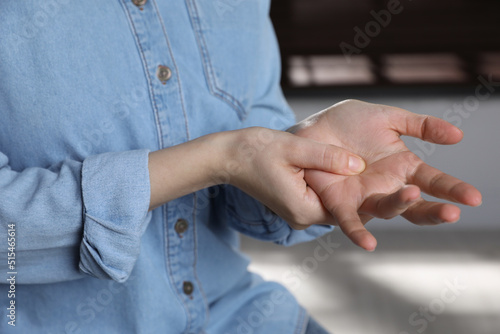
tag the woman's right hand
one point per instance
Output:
(266, 164)
(269, 165)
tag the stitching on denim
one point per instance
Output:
(152, 95)
(211, 79)
(207, 65)
(300, 327)
(195, 23)
(169, 266)
(207, 62)
(148, 77)
(176, 70)
(186, 307)
(195, 240)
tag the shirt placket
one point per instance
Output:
(166, 96)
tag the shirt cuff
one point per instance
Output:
(252, 218)
(116, 197)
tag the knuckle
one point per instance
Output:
(424, 126)
(435, 181)
(298, 221)
(334, 159)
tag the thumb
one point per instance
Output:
(425, 127)
(310, 154)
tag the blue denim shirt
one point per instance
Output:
(82, 103)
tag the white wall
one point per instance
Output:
(476, 159)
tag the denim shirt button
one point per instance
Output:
(181, 226)
(139, 3)
(163, 73)
(187, 287)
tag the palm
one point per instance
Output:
(394, 176)
(383, 176)
(373, 140)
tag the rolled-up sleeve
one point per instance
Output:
(116, 197)
(252, 218)
(76, 218)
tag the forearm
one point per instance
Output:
(183, 169)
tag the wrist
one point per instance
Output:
(226, 163)
(186, 168)
(238, 150)
(218, 150)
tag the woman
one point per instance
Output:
(136, 142)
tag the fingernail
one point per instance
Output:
(356, 164)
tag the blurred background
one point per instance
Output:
(432, 57)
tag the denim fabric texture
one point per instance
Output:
(313, 327)
(81, 106)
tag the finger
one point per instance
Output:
(432, 213)
(314, 211)
(428, 128)
(388, 206)
(438, 184)
(351, 225)
(365, 218)
(310, 154)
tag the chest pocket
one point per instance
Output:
(229, 35)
